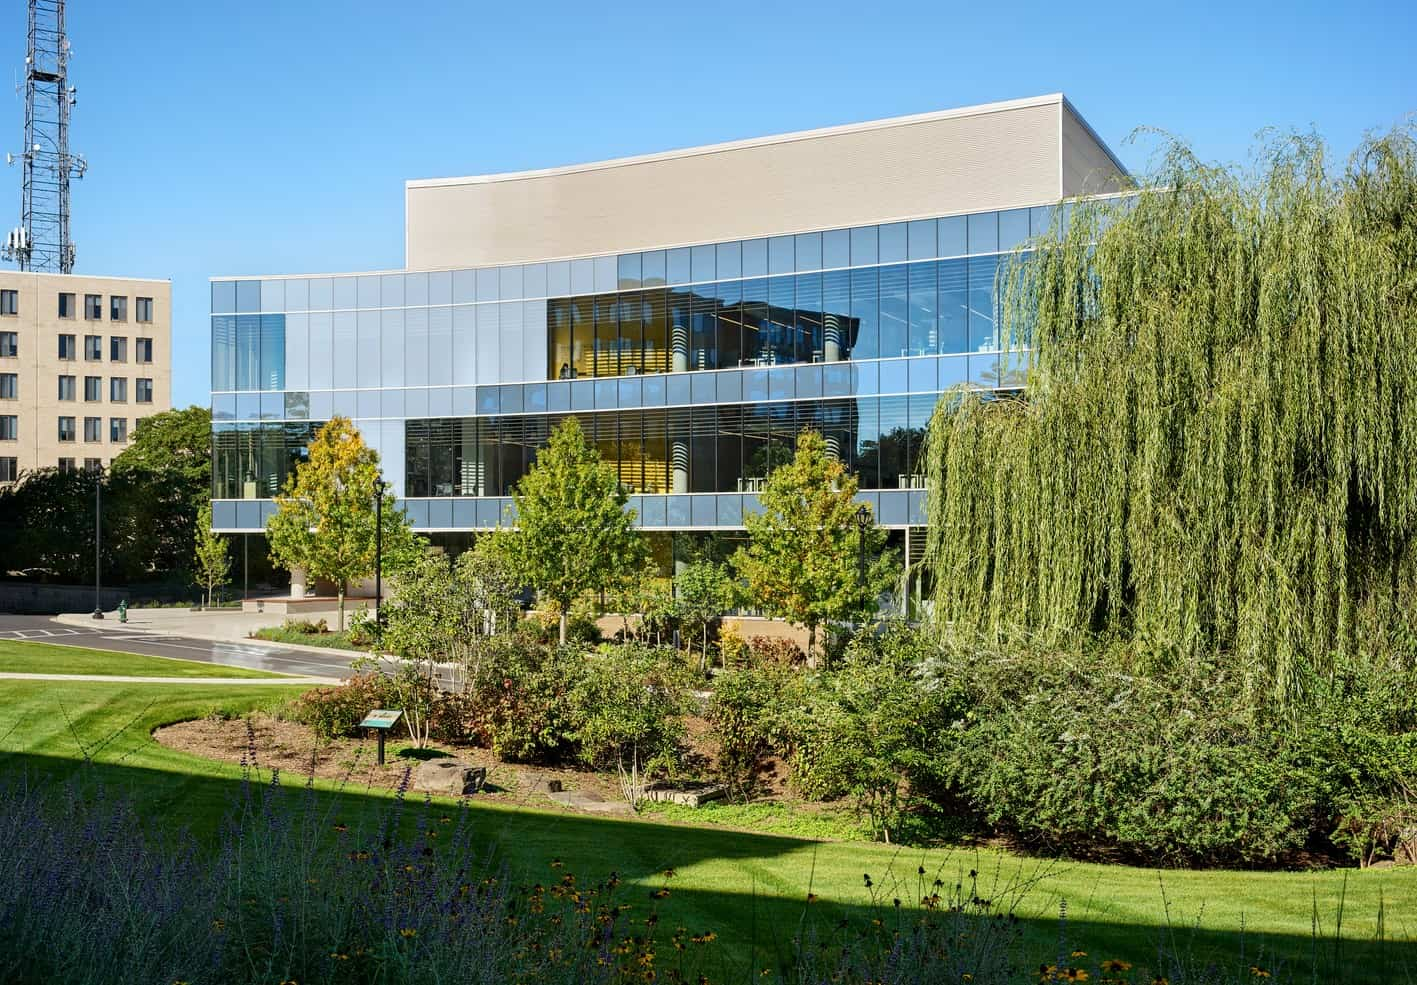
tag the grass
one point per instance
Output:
(750, 888)
(21, 657)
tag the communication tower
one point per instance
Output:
(41, 241)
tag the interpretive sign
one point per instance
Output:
(381, 719)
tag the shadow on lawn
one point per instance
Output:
(760, 892)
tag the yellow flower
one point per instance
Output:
(338, 956)
(1079, 954)
(408, 932)
(1113, 964)
(341, 828)
(659, 894)
(1258, 972)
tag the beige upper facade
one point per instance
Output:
(92, 356)
(997, 156)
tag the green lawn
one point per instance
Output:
(22, 657)
(751, 888)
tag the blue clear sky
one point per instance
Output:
(274, 137)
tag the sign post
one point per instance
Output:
(381, 720)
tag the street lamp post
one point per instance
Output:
(863, 522)
(379, 486)
(97, 543)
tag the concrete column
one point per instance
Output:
(831, 338)
(678, 348)
(297, 582)
(679, 463)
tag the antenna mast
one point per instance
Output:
(41, 242)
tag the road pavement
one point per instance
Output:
(108, 635)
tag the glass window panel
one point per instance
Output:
(922, 338)
(652, 268)
(922, 241)
(223, 407)
(248, 295)
(345, 404)
(534, 397)
(923, 375)
(415, 402)
(583, 395)
(894, 376)
(677, 389)
(440, 287)
(558, 331)
(954, 305)
(391, 403)
(1013, 228)
(464, 286)
(391, 347)
(368, 291)
(678, 266)
(248, 352)
(893, 443)
(730, 450)
(223, 296)
(703, 328)
(346, 351)
(248, 406)
(754, 310)
(511, 399)
(606, 361)
(604, 273)
(755, 385)
(223, 352)
(754, 424)
(781, 384)
(321, 405)
(297, 295)
(654, 317)
(837, 329)
(836, 248)
(605, 394)
(894, 310)
(464, 345)
(1040, 220)
(558, 279)
(729, 261)
(509, 331)
(629, 393)
(809, 381)
(954, 236)
(415, 368)
(321, 293)
(322, 350)
(511, 282)
(808, 318)
(582, 336)
(865, 313)
(730, 323)
(488, 284)
(582, 277)
(836, 379)
(367, 403)
(953, 371)
(628, 271)
(440, 346)
(863, 245)
(892, 247)
(631, 333)
(415, 289)
(272, 295)
(729, 387)
(755, 257)
(982, 328)
(558, 396)
(779, 343)
(654, 394)
(370, 357)
(702, 388)
(984, 232)
(781, 255)
(534, 280)
(346, 292)
(703, 450)
(702, 264)
(809, 251)
(391, 290)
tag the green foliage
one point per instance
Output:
(575, 534)
(630, 706)
(801, 563)
(744, 713)
(211, 552)
(702, 592)
(325, 516)
(335, 712)
(1217, 447)
(158, 485)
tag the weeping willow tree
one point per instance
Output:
(1217, 447)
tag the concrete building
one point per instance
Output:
(696, 309)
(82, 360)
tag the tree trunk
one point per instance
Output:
(341, 605)
(812, 646)
(565, 623)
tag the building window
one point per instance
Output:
(117, 309)
(9, 469)
(93, 307)
(9, 386)
(144, 311)
(66, 305)
(93, 389)
(118, 389)
(143, 350)
(144, 394)
(66, 465)
(66, 388)
(93, 465)
(9, 302)
(118, 349)
(9, 427)
(66, 429)
(118, 429)
(93, 429)
(9, 343)
(93, 348)
(66, 347)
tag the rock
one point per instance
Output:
(688, 797)
(542, 784)
(585, 801)
(449, 776)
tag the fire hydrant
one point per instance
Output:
(123, 611)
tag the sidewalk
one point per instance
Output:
(216, 625)
(189, 681)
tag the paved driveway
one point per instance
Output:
(109, 635)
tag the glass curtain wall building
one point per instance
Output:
(692, 367)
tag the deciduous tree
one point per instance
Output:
(212, 553)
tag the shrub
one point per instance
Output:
(335, 712)
(775, 650)
(523, 698)
(744, 713)
(306, 626)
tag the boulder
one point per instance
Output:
(449, 776)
